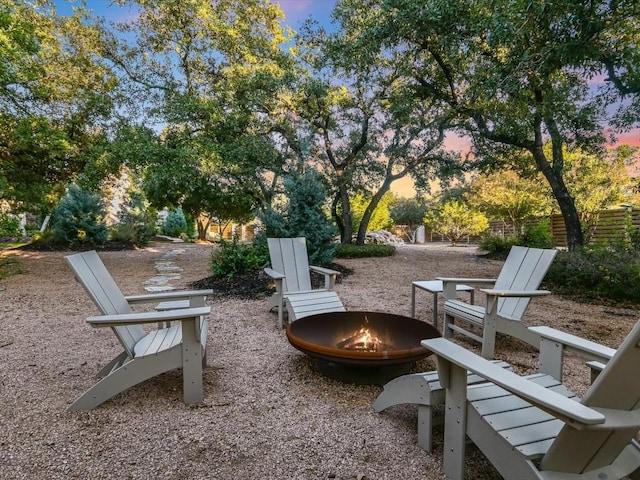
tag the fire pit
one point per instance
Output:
(362, 347)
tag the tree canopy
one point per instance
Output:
(212, 103)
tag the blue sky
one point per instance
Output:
(296, 11)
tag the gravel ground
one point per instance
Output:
(267, 413)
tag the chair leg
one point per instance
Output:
(446, 331)
(425, 427)
(122, 378)
(116, 362)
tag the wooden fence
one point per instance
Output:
(610, 225)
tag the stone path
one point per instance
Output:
(167, 271)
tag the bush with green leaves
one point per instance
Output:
(79, 218)
(175, 223)
(364, 251)
(606, 272)
(234, 258)
(9, 226)
(535, 236)
(538, 235)
(137, 222)
(302, 215)
(498, 245)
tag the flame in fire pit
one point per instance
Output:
(363, 340)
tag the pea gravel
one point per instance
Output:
(267, 413)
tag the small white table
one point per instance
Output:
(435, 287)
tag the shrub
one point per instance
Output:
(175, 223)
(604, 272)
(303, 216)
(497, 245)
(535, 236)
(366, 250)
(79, 218)
(9, 226)
(538, 236)
(233, 258)
(137, 222)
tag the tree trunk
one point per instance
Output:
(346, 234)
(368, 212)
(554, 175)
(567, 206)
(203, 223)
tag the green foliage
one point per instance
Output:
(380, 218)
(608, 272)
(537, 235)
(455, 220)
(137, 222)
(301, 215)
(498, 245)
(233, 258)
(175, 223)
(9, 225)
(353, 250)
(410, 213)
(79, 218)
(509, 197)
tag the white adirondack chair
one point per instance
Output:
(290, 270)
(144, 355)
(426, 391)
(534, 428)
(506, 302)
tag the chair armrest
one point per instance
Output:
(329, 275)
(573, 413)
(147, 317)
(449, 284)
(166, 296)
(273, 274)
(323, 270)
(515, 293)
(472, 281)
(573, 343)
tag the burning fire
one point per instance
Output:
(362, 340)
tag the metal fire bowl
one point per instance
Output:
(318, 335)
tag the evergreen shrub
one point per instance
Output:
(302, 215)
(608, 272)
(175, 223)
(79, 218)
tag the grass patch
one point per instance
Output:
(9, 265)
(363, 251)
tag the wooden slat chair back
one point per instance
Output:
(291, 273)
(91, 272)
(507, 301)
(289, 257)
(617, 388)
(524, 269)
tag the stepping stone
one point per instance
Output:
(166, 288)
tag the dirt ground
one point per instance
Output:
(267, 412)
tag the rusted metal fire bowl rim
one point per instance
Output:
(318, 335)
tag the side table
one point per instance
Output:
(435, 287)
